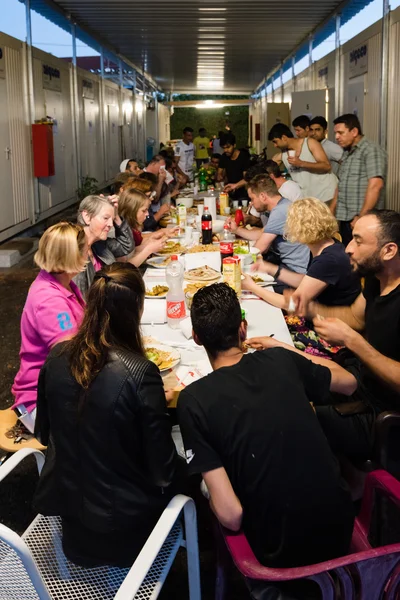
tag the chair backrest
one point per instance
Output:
(19, 576)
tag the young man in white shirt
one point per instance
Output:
(287, 187)
(184, 153)
(318, 130)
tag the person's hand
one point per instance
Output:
(354, 221)
(249, 284)
(295, 161)
(158, 235)
(113, 200)
(333, 331)
(164, 209)
(263, 266)
(231, 224)
(162, 174)
(263, 342)
(170, 232)
(155, 245)
(230, 187)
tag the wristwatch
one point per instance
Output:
(278, 272)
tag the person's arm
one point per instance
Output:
(164, 209)
(353, 315)
(338, 332)
(123, 243)
(231, 187)
(157, 445)
(333, 203)
(322, 164)
(290, 278)
(143, 252)
(342, 382)
(42, 421)
(54, 319)
(160, 182)
(223, 500)
(375, 184)
(274, 299)
(221, 175)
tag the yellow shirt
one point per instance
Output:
(201, 144)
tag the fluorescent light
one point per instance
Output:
(208, 106)
(209, 47)
(212, 19)
(212, 9)
(206, 53)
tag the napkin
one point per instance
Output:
(201, 259)
(155, 311)
(186, 327)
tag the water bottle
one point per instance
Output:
(176, 310)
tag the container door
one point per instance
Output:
(113, 154)
(7, 208)
(92, 161)
(54, 109)
(355, 97)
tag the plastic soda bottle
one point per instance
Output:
(206, 226)
(176, 310)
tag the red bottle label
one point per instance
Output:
(206, 225)
(176, 310)
(226, 247)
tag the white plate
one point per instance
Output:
(266, 279)
(151, 343)
(150, 287)
(157, 261)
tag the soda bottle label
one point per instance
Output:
(226, 247)
(176, 310)
(206, 225)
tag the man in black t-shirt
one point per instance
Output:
(250, 430)
(374, 254)
(232, 167)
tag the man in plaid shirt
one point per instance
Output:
(362, 175)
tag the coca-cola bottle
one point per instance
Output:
(226, 244)
(206, 226)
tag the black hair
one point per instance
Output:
(149, 177)
(188, 130)
(278, 131)
(301, 121)
(389, 221)
(273, 168)
(220, 133)
(202, 129)
(258, 169)
(216, 155)
(216, 317)
(350, 121)
(319, 121)
(227, 139)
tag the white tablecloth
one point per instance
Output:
(262, 319)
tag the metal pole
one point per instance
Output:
(293, 73)
(75, 107)
(338, 74)
(102, 114)
(310, 61)
(385, 74)
(281, 78)
(31, 102)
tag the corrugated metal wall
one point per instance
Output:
(19, 134)
(372, 103)
(393, 184)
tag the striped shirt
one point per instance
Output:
(361, 163)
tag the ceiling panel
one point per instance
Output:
(193, 45)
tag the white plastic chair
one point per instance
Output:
(34, 567)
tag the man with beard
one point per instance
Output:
(362, 175)
(374, 253)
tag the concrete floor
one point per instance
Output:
(17, 490)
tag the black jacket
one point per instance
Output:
(106, 251)
(110, 465)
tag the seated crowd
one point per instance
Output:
(266, 445)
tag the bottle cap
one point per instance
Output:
(226, 226)
(206, 208)
(174, 257)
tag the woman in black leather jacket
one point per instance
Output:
(102, 412)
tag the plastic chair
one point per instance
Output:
(34, 566)
(387, 444)
(8, 419)
(364, 574)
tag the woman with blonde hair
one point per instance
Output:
(329, 277)
(53, 309)
(101, 402)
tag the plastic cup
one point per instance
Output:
(292, 153)
(235, 204)
(200, 209)
(188, 234)
(196, 237)
(227, 211)
(244, 203)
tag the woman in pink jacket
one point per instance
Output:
(53, 310)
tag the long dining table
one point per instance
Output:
(262, 318)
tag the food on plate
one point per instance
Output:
(240, 250)
(157, 290)
(163, 360)
(172, 248)
(203, 248)
(240, 244)
(192, 288)
(257, 279)
(205, 273)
